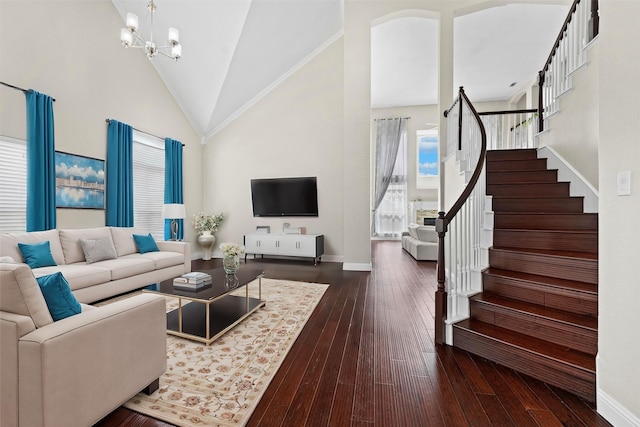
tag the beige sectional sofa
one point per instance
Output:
(92, 282)
(74, 371)
(421, 241)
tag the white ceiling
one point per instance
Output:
(234, 51)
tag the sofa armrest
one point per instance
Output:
(79, 369)
(12, 327)
(180, 247)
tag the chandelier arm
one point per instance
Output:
(137, 39)
(166, 54)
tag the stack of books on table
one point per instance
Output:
(192, 281)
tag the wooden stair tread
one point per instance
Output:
(545, 221)
(546, 349)
(554, 282)
(518, 196)
(514, 154)
(586, 322)
(583, 256)
(557, 231)
(516, 165)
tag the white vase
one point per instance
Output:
(206, 240)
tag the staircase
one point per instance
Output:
(538, 310)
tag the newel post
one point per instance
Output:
(441, 293)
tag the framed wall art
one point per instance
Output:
(80, 181)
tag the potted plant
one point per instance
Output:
(206, 225)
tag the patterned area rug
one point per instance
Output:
(221, 384)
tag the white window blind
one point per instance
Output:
(148, 183)
(13, 184)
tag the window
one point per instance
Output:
(13, 185)
(428, 162)
(148, 183)
(391, 215)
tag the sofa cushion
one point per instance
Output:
(123, 239)
(98, 249)
(164, 259)
(58, 296)
(127, 266)
(37, 254)
(20, 294)
(9, 243)
(145, 243)
(79, 275)
(70, 241)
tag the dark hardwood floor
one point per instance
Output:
(367, 358)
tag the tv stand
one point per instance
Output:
(294, 245)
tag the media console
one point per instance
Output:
(296, 245)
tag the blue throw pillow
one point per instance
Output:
(58, 296)
(145, 243)
(37, 254)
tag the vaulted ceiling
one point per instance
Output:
(234, 51)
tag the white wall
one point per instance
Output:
(295, 130)
(619, 257)
(573, 131)
(71, 51)
(345, 77)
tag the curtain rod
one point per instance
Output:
(393, 118)
(19, 88)
(155, 136)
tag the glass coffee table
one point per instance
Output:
(205, 314)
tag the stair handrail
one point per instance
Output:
(592, 31)
(505, 129)
(445, 218)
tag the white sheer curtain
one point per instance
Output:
(390, 178)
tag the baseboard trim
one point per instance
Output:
(614, 412)
(354, 266)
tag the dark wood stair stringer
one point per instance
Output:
(538, 312)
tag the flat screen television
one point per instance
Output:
(284, 197)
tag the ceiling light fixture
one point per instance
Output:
(130, 38)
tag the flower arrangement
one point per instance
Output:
(202, 222)
(231, 249)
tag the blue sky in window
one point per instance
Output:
(428, 155)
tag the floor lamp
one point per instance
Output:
(174, 212)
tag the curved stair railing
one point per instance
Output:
(459, 229)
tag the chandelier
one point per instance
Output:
(130, 37)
